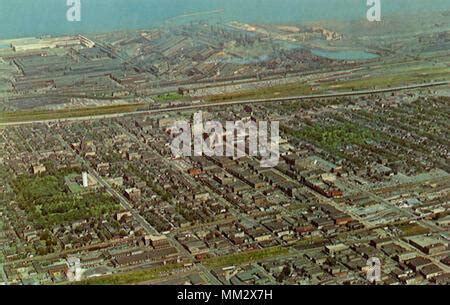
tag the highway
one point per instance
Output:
(240, 102)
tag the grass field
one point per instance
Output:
(131, 277)
(334, 137)
(172, 96)
(157, 272)
(413, 229)
(29, 116)
(268, 92)
(393, 79)
(309, 241)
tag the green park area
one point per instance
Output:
(167, 97)
(47, 201)
(334, 137)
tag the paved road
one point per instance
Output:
(150, 229)
(212, 279)
(241, 102)
(124, 202)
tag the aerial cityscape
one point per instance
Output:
(353, 115)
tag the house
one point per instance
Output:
(133, 194)
(38, 169)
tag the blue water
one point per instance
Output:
(345, 55)
(25, 18)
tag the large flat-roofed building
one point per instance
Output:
(156, 241)
(428, 245)
(27, 44)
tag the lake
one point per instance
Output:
(344, 55)
(25, 18)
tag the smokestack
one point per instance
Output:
(85, 180)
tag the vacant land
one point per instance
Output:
(413, 229)
(29, 116)
(132, 277)
(268, 92)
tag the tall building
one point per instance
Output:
(85, 179)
